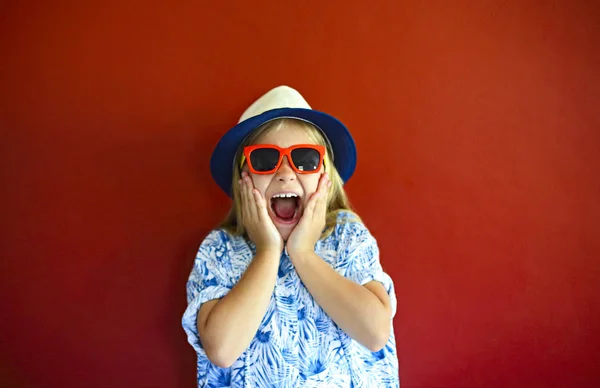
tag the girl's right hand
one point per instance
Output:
(259, 226)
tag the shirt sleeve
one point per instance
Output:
(362, 254)
(209, 279)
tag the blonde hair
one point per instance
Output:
(337, 200)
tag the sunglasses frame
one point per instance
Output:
(282, 152)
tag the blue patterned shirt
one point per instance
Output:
(297, 344)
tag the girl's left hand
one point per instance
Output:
(308, 230)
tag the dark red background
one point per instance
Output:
(477, 125)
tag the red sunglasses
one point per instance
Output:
(266, 158)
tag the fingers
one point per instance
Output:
(253, 203)
(317, 205)
(312, 203)
(261, 206)
(250, 201)
(247, 200)
(321, 205)
(324, 186)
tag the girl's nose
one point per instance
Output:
(285, 172)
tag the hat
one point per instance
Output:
(282, 102)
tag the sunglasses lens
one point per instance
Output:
(306, 159)
(264, 159)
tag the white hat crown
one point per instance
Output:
(279, 97)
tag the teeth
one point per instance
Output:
(285, 195)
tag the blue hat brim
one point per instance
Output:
(342, 143)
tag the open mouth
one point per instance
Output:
(286, 207)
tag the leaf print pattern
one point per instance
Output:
(296, 344)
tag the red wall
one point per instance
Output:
(477, 124)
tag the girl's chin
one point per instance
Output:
(285, 231)
(285, 227)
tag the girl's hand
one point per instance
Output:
(308, 230)
(256, 220)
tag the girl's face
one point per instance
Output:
(286, 212)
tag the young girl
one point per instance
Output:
(289, 290)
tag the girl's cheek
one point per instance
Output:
(310, 185)
(260, 183)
